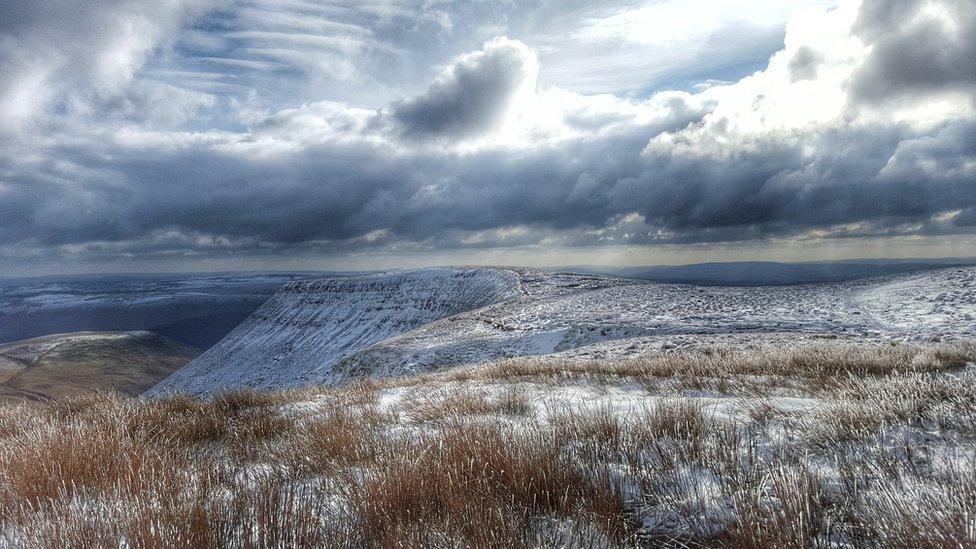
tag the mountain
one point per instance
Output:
(298, 335)
(332, 330)
(66, 364)
(769, 273)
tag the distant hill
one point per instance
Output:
(769, 273)
(193, 309)
(66, 364)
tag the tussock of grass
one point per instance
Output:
(824, 360)
(425, 406)
(484, 485)
(493, 456)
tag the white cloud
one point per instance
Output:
(680, 24)
(52, 51)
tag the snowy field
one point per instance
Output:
(417, 321)
(822, 443)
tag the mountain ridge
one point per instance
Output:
(329, 331)
(308, 326)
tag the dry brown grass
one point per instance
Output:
(884, 459)
(424, 405)
(329, 443)
(479, 484)
(820, 361)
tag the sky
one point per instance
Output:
(190, 135)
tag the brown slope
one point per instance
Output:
(65, 364)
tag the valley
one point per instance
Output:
(62, 365)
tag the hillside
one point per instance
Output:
(769, 273)
(70, 364)
(393, 324)
(307, 327)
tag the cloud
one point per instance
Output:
(55, 52)
(918, 47)
(965, 218)
(804, 64)
(646, 45)
(473, 95)
(484, 156)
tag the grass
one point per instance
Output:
(819, 361)
(424, 405)
(874, 449)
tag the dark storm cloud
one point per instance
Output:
(914, 49)
(336, 194)
(472, 96)
(965, 218)
(863, 176)
(320, 193)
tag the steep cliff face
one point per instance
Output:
(307, 327)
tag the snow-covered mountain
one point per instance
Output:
(390, 324)
(307, 327)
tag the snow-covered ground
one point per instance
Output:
(944, 301)
(297, 336)
(830, 443)
(414, 321)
